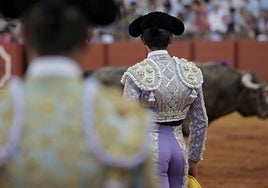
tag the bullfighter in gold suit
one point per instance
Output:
(57, 130)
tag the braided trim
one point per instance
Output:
(7, 60)
(189, 73)
(93, 141)
(146, 75)
(17, 120)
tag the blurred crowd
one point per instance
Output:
(212, 20)
(10, 30)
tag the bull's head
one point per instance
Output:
(253, 98)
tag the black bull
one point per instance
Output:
(225, 89)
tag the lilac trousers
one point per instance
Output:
(170, 159)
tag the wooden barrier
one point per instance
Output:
(15, 51)
(204, 51)
(253, 56)
(94, 57)
(245, 55)
(125, 53)
(181, 49)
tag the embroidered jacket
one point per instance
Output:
(172, 88)
(59, 131)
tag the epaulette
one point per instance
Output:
(116, 129)
(146, 75)
(12, 117)
(189, 73)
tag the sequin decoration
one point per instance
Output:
(190, 74)
(144, 74)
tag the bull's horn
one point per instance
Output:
(247, 81)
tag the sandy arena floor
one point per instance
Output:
(236, 154)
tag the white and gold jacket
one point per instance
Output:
(172, 88)
(57, 130)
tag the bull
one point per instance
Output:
(225, 89)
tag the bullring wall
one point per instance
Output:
(247, 55)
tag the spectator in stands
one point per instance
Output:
(216, 18)
(5, 35)
(263, 24)
(200, 23)
(249, 25)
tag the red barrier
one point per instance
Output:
(245, 55)
(204, 51)
(94, 57)
(253, 56)
(181, 49)
(15, 51)
(125, 53)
